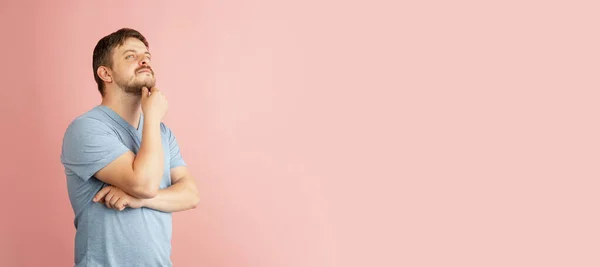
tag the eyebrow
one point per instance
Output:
(134, 51)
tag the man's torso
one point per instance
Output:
(106, 237)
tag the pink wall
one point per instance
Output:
(328, 133)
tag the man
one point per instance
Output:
(125, 173)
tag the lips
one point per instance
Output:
(145, 70)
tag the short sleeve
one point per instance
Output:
(175, 152)
(88, 146)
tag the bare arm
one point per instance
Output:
(181, 195)
(140, 175)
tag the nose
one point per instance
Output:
(144, 61)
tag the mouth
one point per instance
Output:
(145, 70)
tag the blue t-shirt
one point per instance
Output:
(107, 237)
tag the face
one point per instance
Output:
(131, 67)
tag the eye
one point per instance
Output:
(129, 56)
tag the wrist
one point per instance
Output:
(151, 119)
(144, 202)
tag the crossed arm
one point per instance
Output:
(135, 179)
(181, 195)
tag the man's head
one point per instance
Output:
(122, 58)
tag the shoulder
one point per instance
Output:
(91, 122)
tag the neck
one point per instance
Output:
(126, 105)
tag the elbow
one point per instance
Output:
(195, 201)
(142, 186)
(147, 194)
(146, 191)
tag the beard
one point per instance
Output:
(134, 84)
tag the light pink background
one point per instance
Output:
(328, 133)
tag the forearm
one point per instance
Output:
(148, 164)
(180, 196)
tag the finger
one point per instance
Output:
(101, 193)
(107, 200)
(113, 201)
(145, 92)
(120, 205)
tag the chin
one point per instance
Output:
(148, 82)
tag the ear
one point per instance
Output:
(104, 74)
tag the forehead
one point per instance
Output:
(132, 44)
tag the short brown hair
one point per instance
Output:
(103, 51)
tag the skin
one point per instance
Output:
(134, 179)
